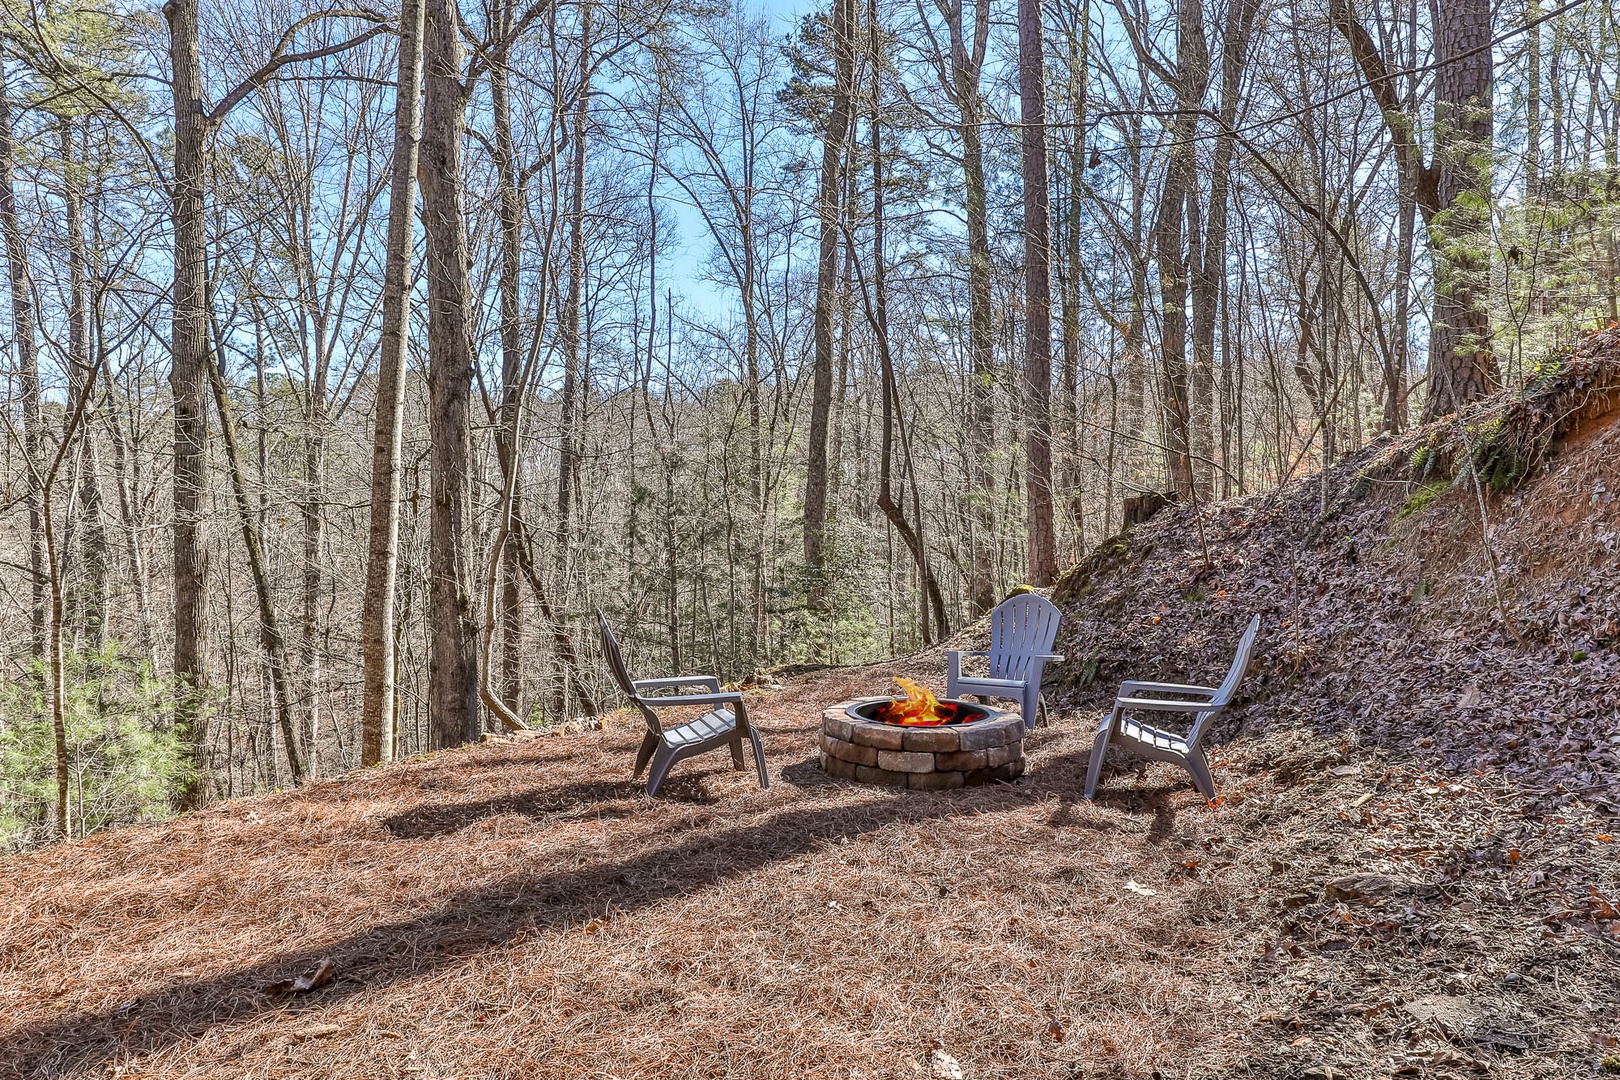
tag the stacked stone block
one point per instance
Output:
(922, 758)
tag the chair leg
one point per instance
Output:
(759, 759)
(737, 753)
(1199, 768)
(644, 755)
(662, 760)
(1098, 750)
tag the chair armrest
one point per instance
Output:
(660, 701)
(1050, 658)
(976, 680)
(709, 681)
(966, 652)
(1156, 705)
(1131, 686)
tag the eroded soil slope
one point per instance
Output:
(1453, 595)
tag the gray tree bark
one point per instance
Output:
(453, 661)
(378, 714)
(188, 348)
(829, 212)
(1191, 82)
(22, 323)
(574, 303)
(961, 82)
(1040, 532)
(508, 287)
(1462, 367)
(1209, 271)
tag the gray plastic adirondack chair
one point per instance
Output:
(725, 725)
(1158, 745)
(1022, 631)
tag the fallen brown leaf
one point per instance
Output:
(314, 978)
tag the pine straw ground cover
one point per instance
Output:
(522, 910)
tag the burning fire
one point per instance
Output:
(919, 707)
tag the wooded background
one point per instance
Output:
(325, 438)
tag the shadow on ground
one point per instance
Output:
(491, 915)
(90, 1041)
(607, 798)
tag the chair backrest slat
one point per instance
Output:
(1021, 627)
(621, 673)
(1240, 663)
(1229, 685)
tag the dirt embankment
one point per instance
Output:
(1453, 594)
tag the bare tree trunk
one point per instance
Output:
(56, 666)
(1069, 278)
(910, 531)
(1396, 374)
(1555, 86)
(1132, 355)
(56, 663)
(1040, 531)
(1071, 482)
(966, 67)
(1173, 347)
(22, 328)
(1532, 102)
(188, 359)
(453, 662)
(1209, 271)
(572, 331)
(87, 478)
(130, 526)
(378, 720)
(271, 638)
(511, 223)
(1462, 366)
(1191, 82)
(573, 305)
(666, 467)
(313, 514)
(756, 462)
(829, 212)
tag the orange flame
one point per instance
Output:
(919, 707)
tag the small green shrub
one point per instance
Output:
(125, 760)
(843, 626)
(1499, 464)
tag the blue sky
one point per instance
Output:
(681, 269)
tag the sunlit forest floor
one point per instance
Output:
(523, 910)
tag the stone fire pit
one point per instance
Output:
(922, 757)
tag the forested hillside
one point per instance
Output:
(354, 355)
(1411, 868)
